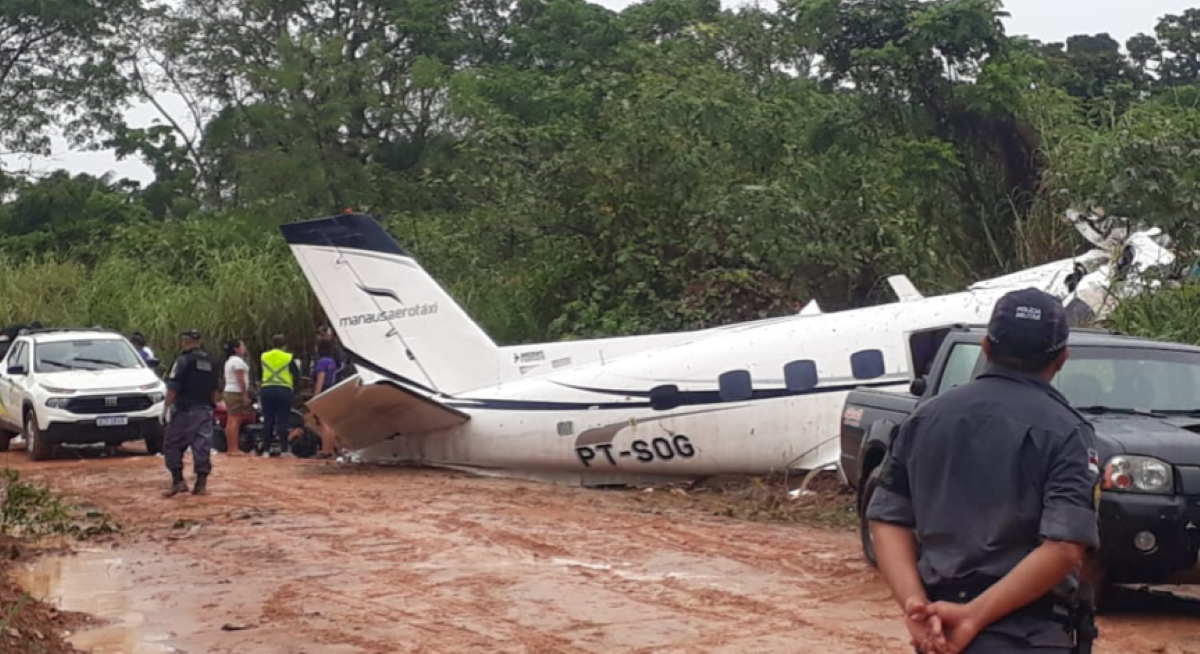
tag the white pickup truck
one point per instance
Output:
(78, 387)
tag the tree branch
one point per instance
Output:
(189, 143)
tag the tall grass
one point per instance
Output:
(242, 292)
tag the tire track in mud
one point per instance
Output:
(713, 604)
(710, 604)
(413, 587)
(346, 532)
(667, 534)
(288, 500)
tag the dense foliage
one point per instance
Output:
(570, 171)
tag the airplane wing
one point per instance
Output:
(904, 289)
(366, 414)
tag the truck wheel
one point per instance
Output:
(154, 440)
(38, 448)
(864, 529)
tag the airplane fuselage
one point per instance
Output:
(746, 399)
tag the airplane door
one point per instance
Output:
(923, 348)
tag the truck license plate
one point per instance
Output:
(112, 421)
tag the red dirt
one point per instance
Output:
(26, 623)
(306, 556)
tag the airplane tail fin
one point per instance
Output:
(384, 305)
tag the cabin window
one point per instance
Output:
(566, 428)
(867, 364)
(735, 386)
(800, 375)
(663, 398)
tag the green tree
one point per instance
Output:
(65, 214)
(58, 66)
(1179, 37)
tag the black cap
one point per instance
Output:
(1029, 325)
(193, 334)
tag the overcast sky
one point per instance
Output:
(1047, 20)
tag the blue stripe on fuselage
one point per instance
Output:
(684, 398)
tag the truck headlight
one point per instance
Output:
(57, 402)
(1138, 474)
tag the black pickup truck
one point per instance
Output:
(1142, 396)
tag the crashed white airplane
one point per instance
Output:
(433, 389)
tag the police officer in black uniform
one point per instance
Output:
(192, 387)
(994, 481)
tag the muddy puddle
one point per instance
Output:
(98, 583)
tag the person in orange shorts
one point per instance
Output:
(238, 406)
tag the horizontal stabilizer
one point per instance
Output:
(362, 415)
(904, 288)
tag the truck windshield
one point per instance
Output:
(1165, 381)
(97, 354)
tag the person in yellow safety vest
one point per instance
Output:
(278, 387)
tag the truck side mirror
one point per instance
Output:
(918, 386)
(17, 370)
(153, 362)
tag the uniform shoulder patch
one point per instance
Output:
(1093, 462)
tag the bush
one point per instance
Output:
(1171, 314)
(34, 510)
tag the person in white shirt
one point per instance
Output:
(238, 407)
(139, 342)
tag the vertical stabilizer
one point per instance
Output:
(387, 309)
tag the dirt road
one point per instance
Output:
(304, 556)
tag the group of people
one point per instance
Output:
(197, 382)
(279, 372)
